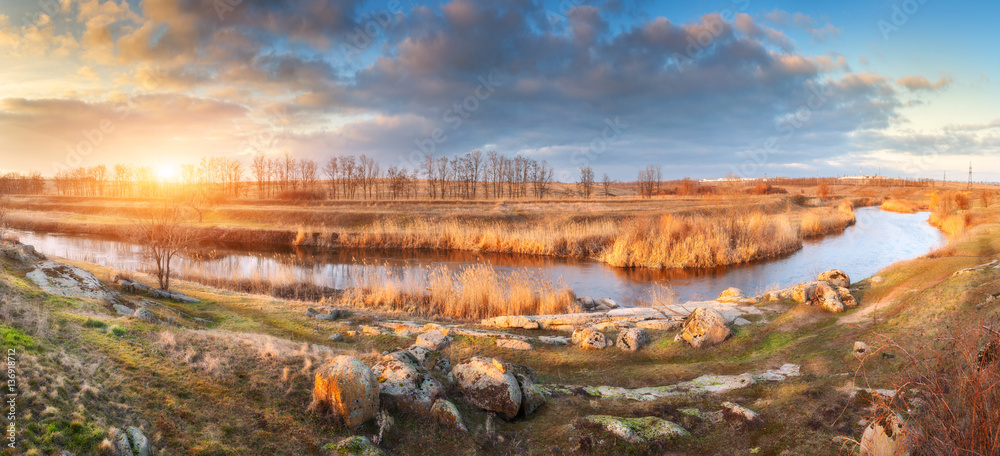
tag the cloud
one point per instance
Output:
(915, 83)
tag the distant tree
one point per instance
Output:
(586, 183)
(259, 169)
(962, 201)
(5, 210)
(647, 180)
(823, 191)
(606, 183)
(332, 171)
(162, 235)
(308, 171)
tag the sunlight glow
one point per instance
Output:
(166, 173)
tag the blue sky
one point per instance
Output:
(704, 88)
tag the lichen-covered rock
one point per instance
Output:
(888, 436)
(705, 327)
(847, 298)
(337, 337)
(828, 298)
(447, 414)
(146, 315)
(405, 387)
(590, 339)
(732, 294)
(349, 389)
(532, 398)
(130, 442)
(432, 340)
(489, 385)
(633, 339)
(735, 412)
(835, 277)
(63, 279)
(356, 446)
(639, 430)
(122, 310)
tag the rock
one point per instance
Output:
(122, 310)
(65, 453)
(828, 298)
(835, 277)
(586, 302)
(406, 387)
(349, 389)
(71, 281)
(511, 321)
(554, 340)
(735, 412)
(311, 311)
(732, 294)
(337, 337)
(369, 330)
(740, 321)
(639, 430)
(633, 339)
(420, 354)
(887, 436)
(876, 279)
(356, 446)
(447, 414)
(804, 292)
(513, 344)
(658, 325)
(847, 298)
(532, 398)
(489, 385)
(325, 317)
(523, 370)
(607, 302)
(130, 442)
(705, 327)
(861, 350)
(590, 339)
(146, 315)
(433, 340)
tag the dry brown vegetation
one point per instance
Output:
(902, 206)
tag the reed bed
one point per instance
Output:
(474, 292)
(683, 242)
(827, 221)
(902, 206)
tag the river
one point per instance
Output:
(877, 240)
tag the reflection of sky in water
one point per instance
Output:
(877, 240)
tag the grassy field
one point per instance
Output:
(238, 380)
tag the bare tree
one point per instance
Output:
(332, 171)
(647, 181)
(586, 183)
(606, 185)
(259, 168)
(163, 236)
(5, 210)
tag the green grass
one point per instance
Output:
(15, 338)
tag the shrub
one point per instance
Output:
(91, 323)
(118, 331)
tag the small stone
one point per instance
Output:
(325, 317)
(532, 398)
(740, 321)
(861, 350)
(357, 446)
(146, 315)
(349, 389)
(337, 337)
(732, 294)
(705, 327)
(633, 339)
(554, 340)
(732, 411)
(590, 339)
(888, 436)
(513, 344)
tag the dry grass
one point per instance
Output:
(474, 292)
(683, 241)
(827, 221)
(902, 206)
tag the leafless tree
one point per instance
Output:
(606, 184)
(586, 183)
(162, 235)
(647, 181)
(332, 171)
(5, 210)
(308, 172)
(259, 168)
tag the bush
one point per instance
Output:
(91, 323)
(118, 331)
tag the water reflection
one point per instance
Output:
(877, 240)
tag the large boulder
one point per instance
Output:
(828, 298)
(804, 292)
(347, 388)
(406, 386)
(489, 385)
(705, 327)
(590, 339)
(835, 277)
(633, 339)
(63, 279)
(888, 436)
(532, 397)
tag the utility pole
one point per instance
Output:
(970, 175)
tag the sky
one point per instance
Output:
(704, 88)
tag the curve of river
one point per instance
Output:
(877, 240)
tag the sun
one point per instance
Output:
(166, 173)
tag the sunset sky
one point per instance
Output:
(704, 88)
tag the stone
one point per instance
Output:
(432, 340)
(835, 277)
(861, 350)
(325, 317)
(554, 340)
(405, 387)
(311, 311)
(532, 398)
(607, 302)
(740, 321)
(705, 327)
(146, 315)
(732, 294)
(734, 412)
(804, 292)
(489, 385)
(514, 344)
(586, 302)
(65, 280)
(337, 337)
(590, 339)
(828, 298)
(122, 310)
(445, 412)
(130, 442)
(436, 327)
(356, 446)
(633, 339)
(639, 430)
(658, 325)
(847, 298)
(887, 436)
(369, 330)
(347, 388)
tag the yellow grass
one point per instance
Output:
(826, 221)
(475, 292)
(902, 206)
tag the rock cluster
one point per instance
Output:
(830, 292)
(130, 285)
